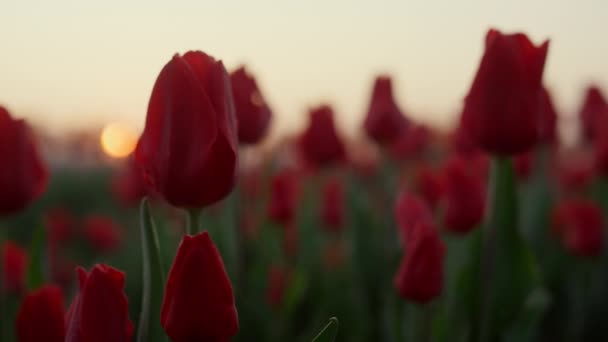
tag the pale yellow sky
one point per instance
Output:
(67, 64)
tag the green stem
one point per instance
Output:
(194, 221)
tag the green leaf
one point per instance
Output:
(329, 332)
(149, 328)
(35, 271)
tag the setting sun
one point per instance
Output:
(117, 140)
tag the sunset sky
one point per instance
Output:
(72, 64)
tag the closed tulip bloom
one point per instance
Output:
(23, 176)
(100, 311)
(502, 109)
(384, 122)
(199, 302)
(580, 226)
(409, 211)
(102, 233)
(464, 197)
(41, 316)
(188, 150)
(420, 275)
(332, 205)
(593, 108)
(14, 266)
(320, 144)
(252, 113)
(283, 197)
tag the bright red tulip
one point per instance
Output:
(199, 302)
(384, 122)
(188, 150)
(593, 109)
(14, 267)
(580, 226)
(320, 144)
(332, 205)
(420, 275)
(41, 316)
(100, 310)
(284, 197)
(102, 233)
(464, 197)
(23, 176)
(252, 112)
(409, 211)
(502, 110)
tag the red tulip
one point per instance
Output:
(14, 266)
(548, 118)
(409, 211)
(41, 316)
(252, 112)
(284, 197)
(411, 143)
(576, 172)
(580, 227)
(59, 225)
(428, 184)
(420, 275)
(199, 303)
(332, 205)
(384, 122)
(278, 282)
(128, 186)
(593, 109)
(102, 232)
(502, 110)
(23, 176)
(464, 197)
(320, 143)
(100, 311)
(188, 150)
(462, 142)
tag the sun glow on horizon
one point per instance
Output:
(117, 140)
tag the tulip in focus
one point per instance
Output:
(41, 316)
(199, 302)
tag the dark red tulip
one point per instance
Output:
(129, 186)
(41, 316)
(409, 211)
(502, 110)
(548, 118)
(420, 275)
(522, 163)
(252, 113)
(278, 282)
(593, 108)
(320, 144)
(576, 171)
(199, 303)
(462, 142)
(102, 233)
(384, 122)
(428, 184)
(412, 142)
(600, 144)
(100, 310)
(23, 176)
(188, 150)
(332, 205)
(464, 197)
(14, 267)
(283, 196)
(59, 225)
(580, 227)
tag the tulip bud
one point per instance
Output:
(41, 316)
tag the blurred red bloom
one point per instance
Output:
(320, 144)
(428, 184)
(409, 211)
(102, 232)
(199, 302)
(188, 150)
(252, 113)
(594, 108)
(412, 142)
(580, 227)
(601, 143)
(23, 176)
(128, 185)
(332, 205)
(283, 196)
(14, 266)
(548, 118)
(59, 225)
(523, 164)
(278, 282)
(464, 197)
(420, 275)
(384, 122)
(100, 310)
(576, 172)
(41, 316)
(502, 108)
